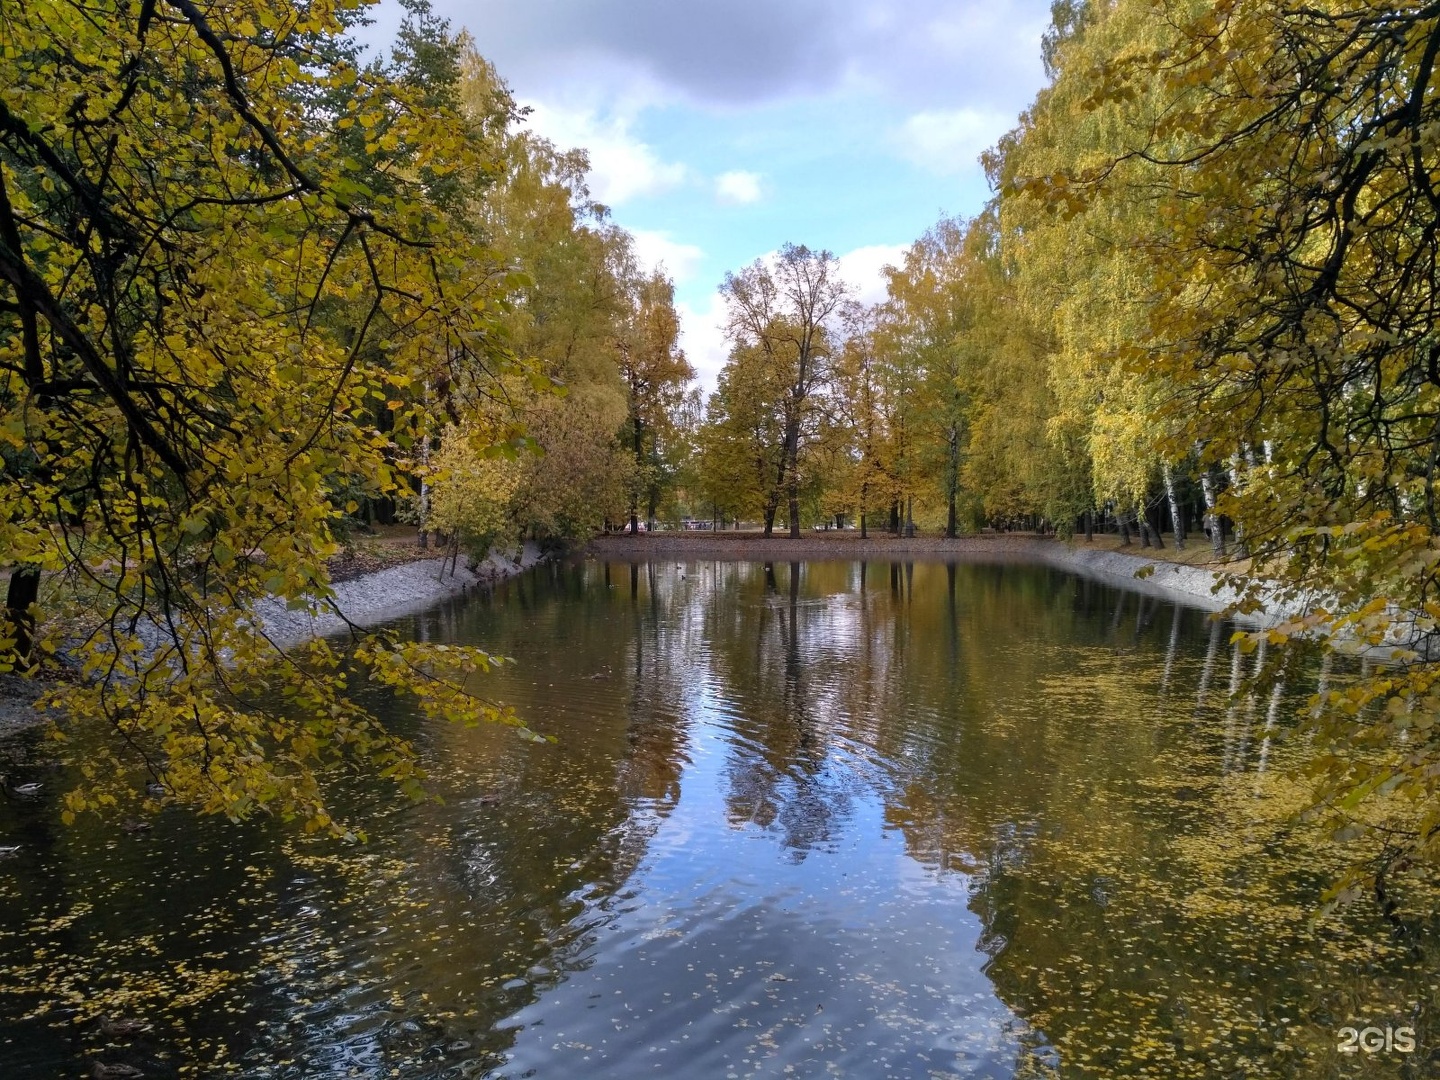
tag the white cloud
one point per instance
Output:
(948, 141)
(702, 336)
(745, 51)
(657, 251)
(622, 166)
(864, 267)
(738, 188)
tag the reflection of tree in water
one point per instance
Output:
(1122, 805)
(533, 846)
(779, 663)
(656, 671)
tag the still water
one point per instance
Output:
(824, 819)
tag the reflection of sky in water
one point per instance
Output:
(732, 957)
(930, 826)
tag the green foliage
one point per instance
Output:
(1209, 270)
(1230, 211)
(229, 259)
(472, 492)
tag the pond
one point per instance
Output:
(822, 819)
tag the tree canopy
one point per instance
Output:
(250, 282)
(1202, 297)
(246, 279)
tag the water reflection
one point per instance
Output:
(901, 819)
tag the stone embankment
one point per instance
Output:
(387, 594)
(366, 600)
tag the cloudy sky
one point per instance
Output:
(718, 130)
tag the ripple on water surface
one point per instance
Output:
(798, 820)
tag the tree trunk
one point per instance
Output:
(1240, 549)
(1089, 526)
(1212, 519)
(952, 482)
(910, 516)
(639, 464)
(24, 590)
(424, 484)
(1142, 525)
(1177, 520)
(770, 520)
(792, 461)
(1124, 521)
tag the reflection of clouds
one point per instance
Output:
(785, 716)
(849, 759)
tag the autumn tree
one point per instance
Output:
(930, 315)
(205, 297)
(860, 418)
(1294, 264)
(573, 316)
(473, 492)
(1231, 212)
(657, 379)
(742, 452)
(784, 310)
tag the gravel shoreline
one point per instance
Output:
(387, 594)
(366, 600)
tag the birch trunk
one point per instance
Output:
(1177, 520)
(1212, 519)
(1240, 549)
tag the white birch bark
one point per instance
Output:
(1175, 517)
